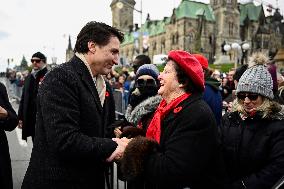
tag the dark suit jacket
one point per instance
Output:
(27, 106)
(71, 144)
(7, 124)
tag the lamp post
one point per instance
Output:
(236, 47)
(9, 60)
(245, 47)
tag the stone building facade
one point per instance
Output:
(198, 27)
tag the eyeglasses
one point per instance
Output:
(242, 96)
(35, 60)
(145, 82)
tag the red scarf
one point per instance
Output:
(154, 129)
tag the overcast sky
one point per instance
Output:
(28, 26)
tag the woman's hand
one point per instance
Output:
(117, 132)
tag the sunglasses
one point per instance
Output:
(35, 60)
(242, 96)
(145, 82)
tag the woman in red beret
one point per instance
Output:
(181, 148)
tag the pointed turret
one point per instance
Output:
(69, 50)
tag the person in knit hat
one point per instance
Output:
(181, 147)
(139, 61)
(253, 133)
(144, 100)
(212, 93)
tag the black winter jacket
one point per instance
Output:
(189, 153)
(71, 144)
(253, 150)
(7, 124)
(27, 107)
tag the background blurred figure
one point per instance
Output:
(280, 93)
(228, 87)
(119, 84)
(212, 94)
(145, 99)
(216, 75)
(139, 61)
(272, 69)
(27, 108)
(253, 133)
(238, 74)
(8, 122)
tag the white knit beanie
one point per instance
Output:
(257, 79)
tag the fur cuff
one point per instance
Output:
(137, 151)
(131, 132)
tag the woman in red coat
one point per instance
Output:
(181, 148)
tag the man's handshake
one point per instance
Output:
(118, 153)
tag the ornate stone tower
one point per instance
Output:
(69, 50)
(227, 27)
(122, 14)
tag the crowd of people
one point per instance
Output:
(185, 127)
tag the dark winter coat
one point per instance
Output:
(27, 106)
(7, 124)
(189, 153)
(70, 147)
(253, 149)
(212, 95)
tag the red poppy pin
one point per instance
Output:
(107, 94)
(177, 109)
(40, 80)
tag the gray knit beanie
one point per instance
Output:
(256, 79)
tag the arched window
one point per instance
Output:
(173, 39)
(163, 47)
(190, 38)
(231, 28)
(177, 37)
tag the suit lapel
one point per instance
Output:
(82, 70)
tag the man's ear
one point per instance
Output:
(92, 46)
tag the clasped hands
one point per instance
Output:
(118, 153)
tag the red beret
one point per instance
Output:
(202, 60)
(190, 65)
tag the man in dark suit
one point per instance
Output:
(75, 108)
(27, 108)
(8, 122)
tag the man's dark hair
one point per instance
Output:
(140, 60)
(143, 59)
(97, 32)
(183, 78)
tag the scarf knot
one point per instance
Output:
(154, 129)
